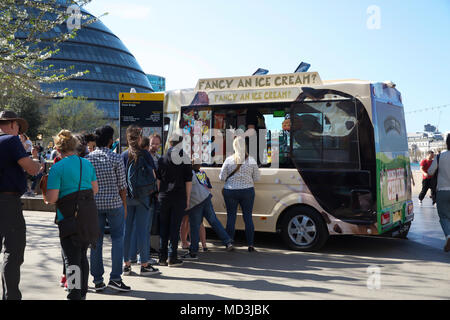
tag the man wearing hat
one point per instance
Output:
(14, 162)
(174, 176)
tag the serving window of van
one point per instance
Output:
(206, 140)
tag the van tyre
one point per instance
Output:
(303, 229)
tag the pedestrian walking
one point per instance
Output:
(202, 207)
(72, 184)
(141, 183)
(441, 168)
(14, 164)
(427, 179)
(111, 204)
(239, 172)
(174, 176)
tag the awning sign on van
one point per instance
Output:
(253, 96)
(259, 82)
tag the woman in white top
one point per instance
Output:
(443, 190)
(239, 172)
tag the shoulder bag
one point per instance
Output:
(434, 179)
(80, 215)
(68, 226)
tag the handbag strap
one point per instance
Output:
(81, 173)
(79, 184)
(234, 171)
(238, 166)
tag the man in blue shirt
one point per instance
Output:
(13, 184)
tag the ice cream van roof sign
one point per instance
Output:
(260, 82)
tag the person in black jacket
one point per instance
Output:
(174, 176)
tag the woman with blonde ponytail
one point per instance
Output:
(72, 183)
(239, 172)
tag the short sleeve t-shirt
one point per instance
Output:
(173, 177)
(12, 176)
(426, 165)
(65, 176)
(203, 179)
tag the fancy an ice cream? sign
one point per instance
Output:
(267, 88)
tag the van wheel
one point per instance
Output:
(303, 229)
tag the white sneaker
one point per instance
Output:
(152, 261)
(420, 202)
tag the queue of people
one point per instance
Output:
(94, 186)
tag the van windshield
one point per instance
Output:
(390, 127)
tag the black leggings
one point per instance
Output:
(77, 267)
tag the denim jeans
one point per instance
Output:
(133, 245)
(443, 208)
(138, 212)
(244, 198)
(116, 220)
(171, 214)
(196, 214)
(13, 241)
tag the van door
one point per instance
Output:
(325, 151)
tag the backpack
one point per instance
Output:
(434, 179)
(140, 178)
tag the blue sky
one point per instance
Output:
(184, 40)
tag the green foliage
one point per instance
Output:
(27, 38)
(74, 114)
(29, 108)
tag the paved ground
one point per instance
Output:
(409, 269)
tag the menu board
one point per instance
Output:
(142, 109)
(196, 126)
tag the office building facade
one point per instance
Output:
(158, 83)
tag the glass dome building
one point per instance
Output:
(112, 68)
